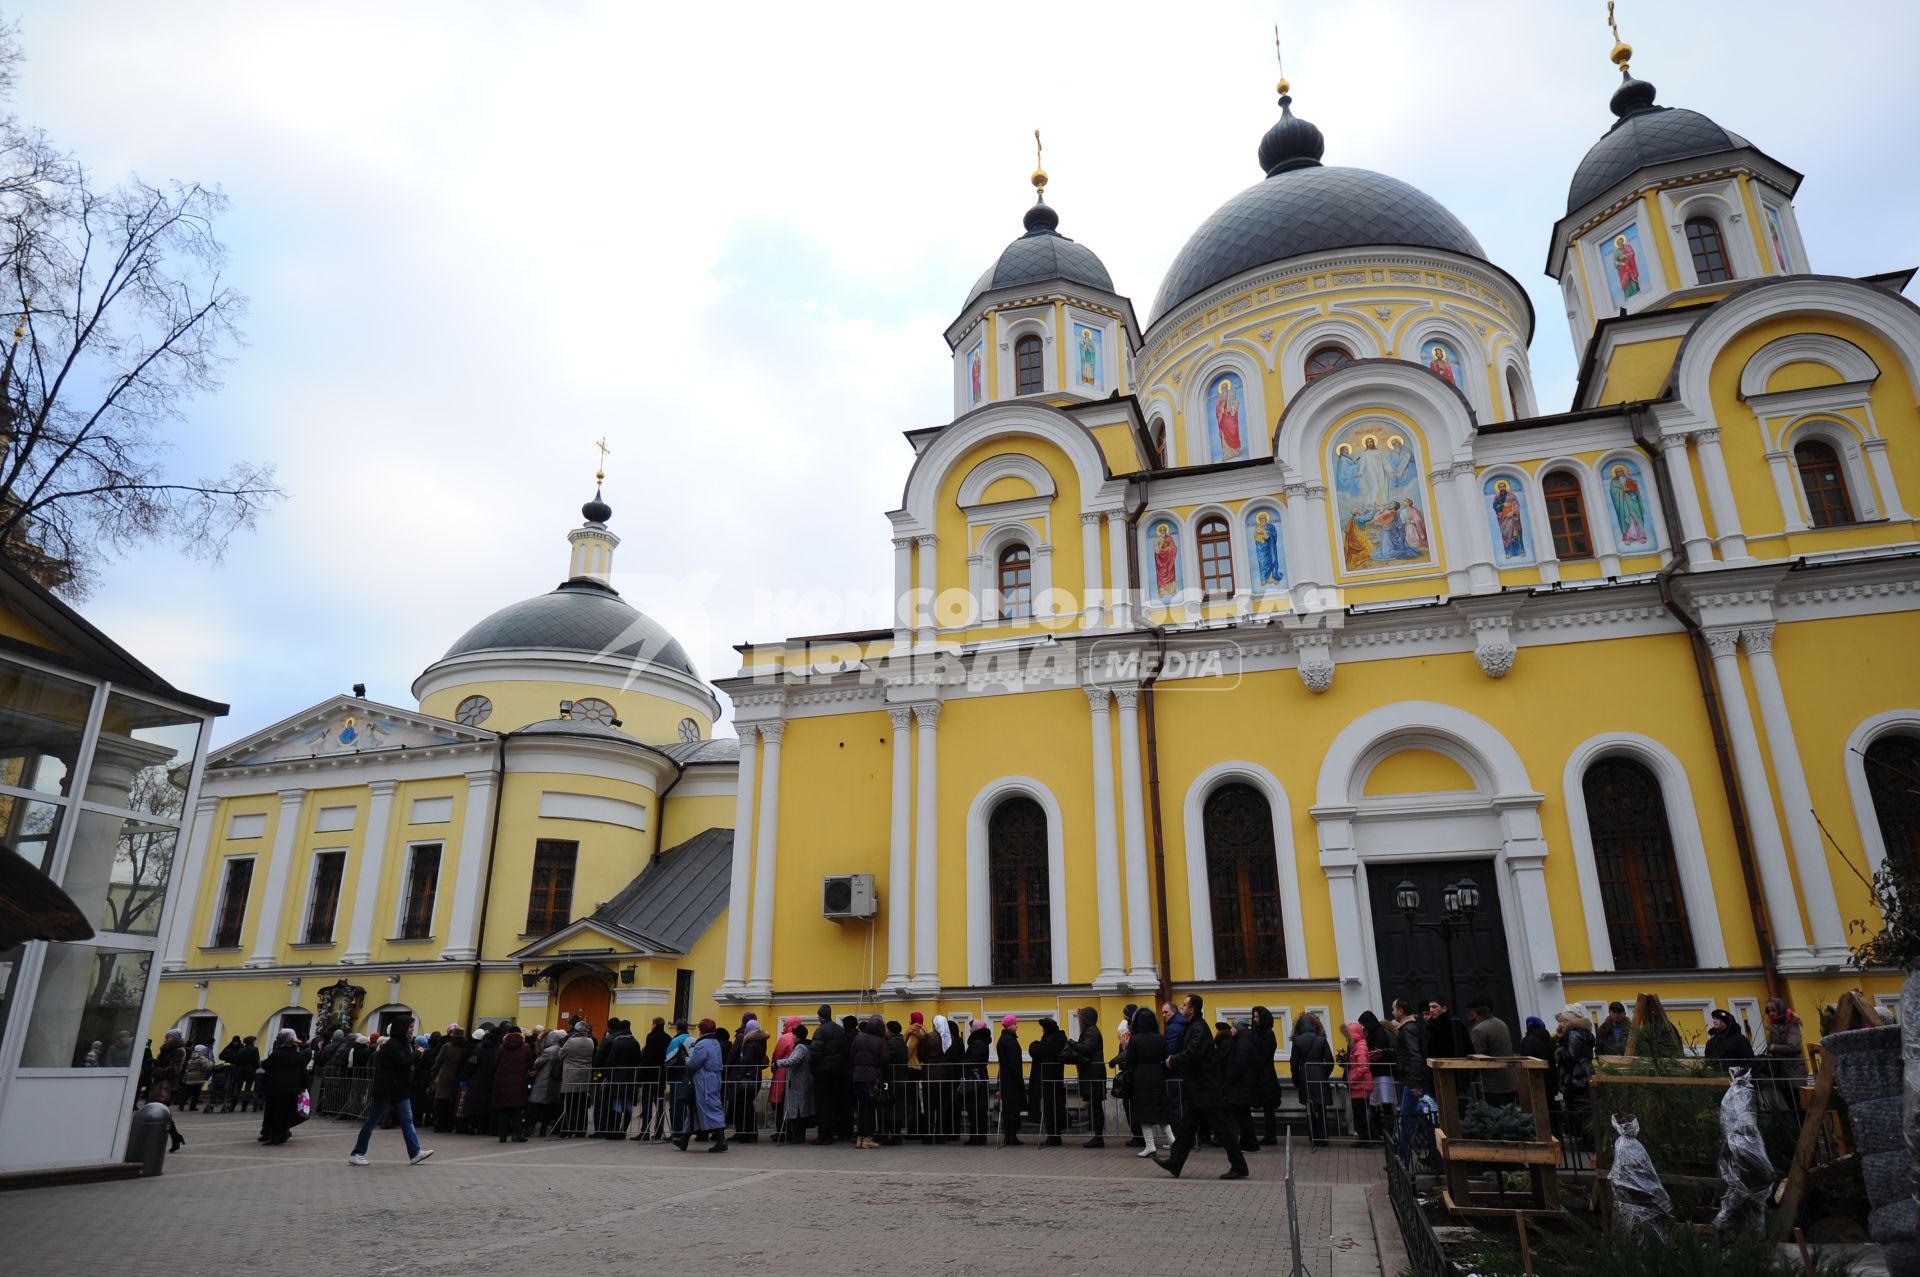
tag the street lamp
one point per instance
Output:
(1459, 901)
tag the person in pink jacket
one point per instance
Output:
(1359, 1075)
(782, 1048)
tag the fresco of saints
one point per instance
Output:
(1356, 546)
(1629, 507)
(1089, 359)
(1440, 365)
(1391, 528)
(1346, 470)
(1166, 560)
(1226, 417)
(1414, 527)
(1626, 264)
(1506, 515)
(1266, 551)
(1399, 461)
(1376, 475)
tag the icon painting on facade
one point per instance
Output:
(1265, 552)
(1088, 343)
(1225, 396)
(1163, 549)
(1626, 497)
(1442, 361)
(1380, 499)
(1623, 266)
(1507, 509)
(976, 374)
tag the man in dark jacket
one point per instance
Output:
(1410, 1062)
(1012, 1078)
(1727, 1046)
(898, 1073)
(392, 1090)
(623, 1077)
(1088, 1054)
(245, 1062)
(830, 1055)
(1205, 1099)
(868, 1058)
(653, 1067)
(1049, 1076)
(286, 1076)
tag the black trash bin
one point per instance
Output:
(147, 1141)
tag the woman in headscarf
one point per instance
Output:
(194, 1074)
(1573, 1057)
(1145, 1060)
(1312, 1058)
(576, 1079)
(423, 1063)
(544, 1098)
(942, 1078)
(706, 1113)
(795, 1074)
(1267, 1048)
(1358, 1072)
(283, 1077)
(1012, 1079)
(973, 1080)
(447, 1067)
(1386, 1093)
(1049, 1075)
(168, 1066)
(777, 1089)
(743, 1082)
(507, 1088)
(1727, 1046)
(1786, 1054)
(1538, 1043)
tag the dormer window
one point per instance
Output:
(1710, 265)
(1029, 378)
(1016, 583)
(1325, 359)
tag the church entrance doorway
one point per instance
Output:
(587, 997)
(1413, 962)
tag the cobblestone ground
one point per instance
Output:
(227, 1203)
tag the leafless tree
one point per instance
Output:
(123, 317)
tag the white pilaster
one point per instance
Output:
(1092, 603)
(1876, 453)
(1728, 536)
(927, 587)
(899, 895)
(188, 882)
(1686, 501)
(1803, 831)
(1341, 863)
(1482, 576)
(373, 863)
(1769, 851)
(1106, 855)
(1780, 466)
(739, 906)
(926, 855)
(1120, 602)
(273, 900)
(1141, 970)
(760, 979)
(463, 926)
(1523, 850)
(903, 609)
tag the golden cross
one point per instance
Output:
(601, 473)
(1037, 163)
(1611, 25)
(1278, 57)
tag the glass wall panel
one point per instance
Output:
(118, 871)
(87, 1007)
(42, 717)
(144, 757)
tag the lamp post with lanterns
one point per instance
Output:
(1458, 903)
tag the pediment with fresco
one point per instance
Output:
(346, 727)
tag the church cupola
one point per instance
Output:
(1043, 321)
(593, 544)
(1668, 207)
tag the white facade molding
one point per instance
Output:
(766, 850)
(1847, 361)
(463, 928)
(980, 885)
(266, 941)
(1106, 851)
(1893, 722)
(918, 511)
(898, 903)
(926, 852)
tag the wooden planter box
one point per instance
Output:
(1460, 1157)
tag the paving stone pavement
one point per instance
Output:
(227, 1203)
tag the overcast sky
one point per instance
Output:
(479, 236)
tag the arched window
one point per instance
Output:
(1516, 396)
(1566, 515)
(1157, 434)
(1822, 481)
(1893, 778)
(1216, 557)
(1709, 251)
(1325, 359)
(1243, 883)
(1027, 376)
(1017, 878)
(1016, 582)
(1639, 877)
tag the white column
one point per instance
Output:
(1120, 605)
(273, 900)
(463, 927)
(1341, 864)
(899, 897)
(902, 593)
(1876, 450)
(926, 855)
(373, 860)
(1106, 855)
(1727, 533)
(928, 587)
(188, 883)
(1780, 465)
(1092, 605)
(1477, 547)
(1524, 852)
(1686, 500)
(1141, 971)
(739, 907)
(1803, 831)
(760, 979)
(1769, 852)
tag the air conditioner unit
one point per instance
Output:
(847, 896)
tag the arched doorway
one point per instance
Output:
(587, 996)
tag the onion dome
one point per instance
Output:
(580, 616)
(1642, 136)
(1043, 255)
(1306, 207)
(596, 510)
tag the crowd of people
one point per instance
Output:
(871, 1082)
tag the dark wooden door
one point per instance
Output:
(1413, 964)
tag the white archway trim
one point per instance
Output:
(1008, 465)
(984, 566)
(1513, 370)
(1854, 760)
(1720, 204)
(1409, 389)
(1199, 896)
(1351, 333)
(1098, 489)
(1464, 737)
(1683, 826)
(370, 1022)
(1847, 439)
(980, 887)
(1848, 361)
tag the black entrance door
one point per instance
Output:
(1413, 964)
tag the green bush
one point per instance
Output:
(1502, 1122)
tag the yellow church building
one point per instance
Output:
(1229, 648)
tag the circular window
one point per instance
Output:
(473, 711)
(593, 711)
(1325, 360)
(689, 730)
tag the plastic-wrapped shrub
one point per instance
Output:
(1744, 1164)
(1640, 1202)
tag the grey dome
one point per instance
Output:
(579, 616)
(1043, 255)
(1309, 209)
(1644, 135)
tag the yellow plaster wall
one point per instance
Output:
(643, 716)
(1119, 446)
(1416, 771)
(1008, 487)
(1800, 375)
(1638, 370)
(686, 817)
(609, 858)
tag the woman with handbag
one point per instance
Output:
(283, 1075)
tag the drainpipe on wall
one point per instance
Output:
(1158, 832)
(486, 887)
(1639, 424)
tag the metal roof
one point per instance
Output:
(678, 895)
(579, 616)
(1651, 135)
